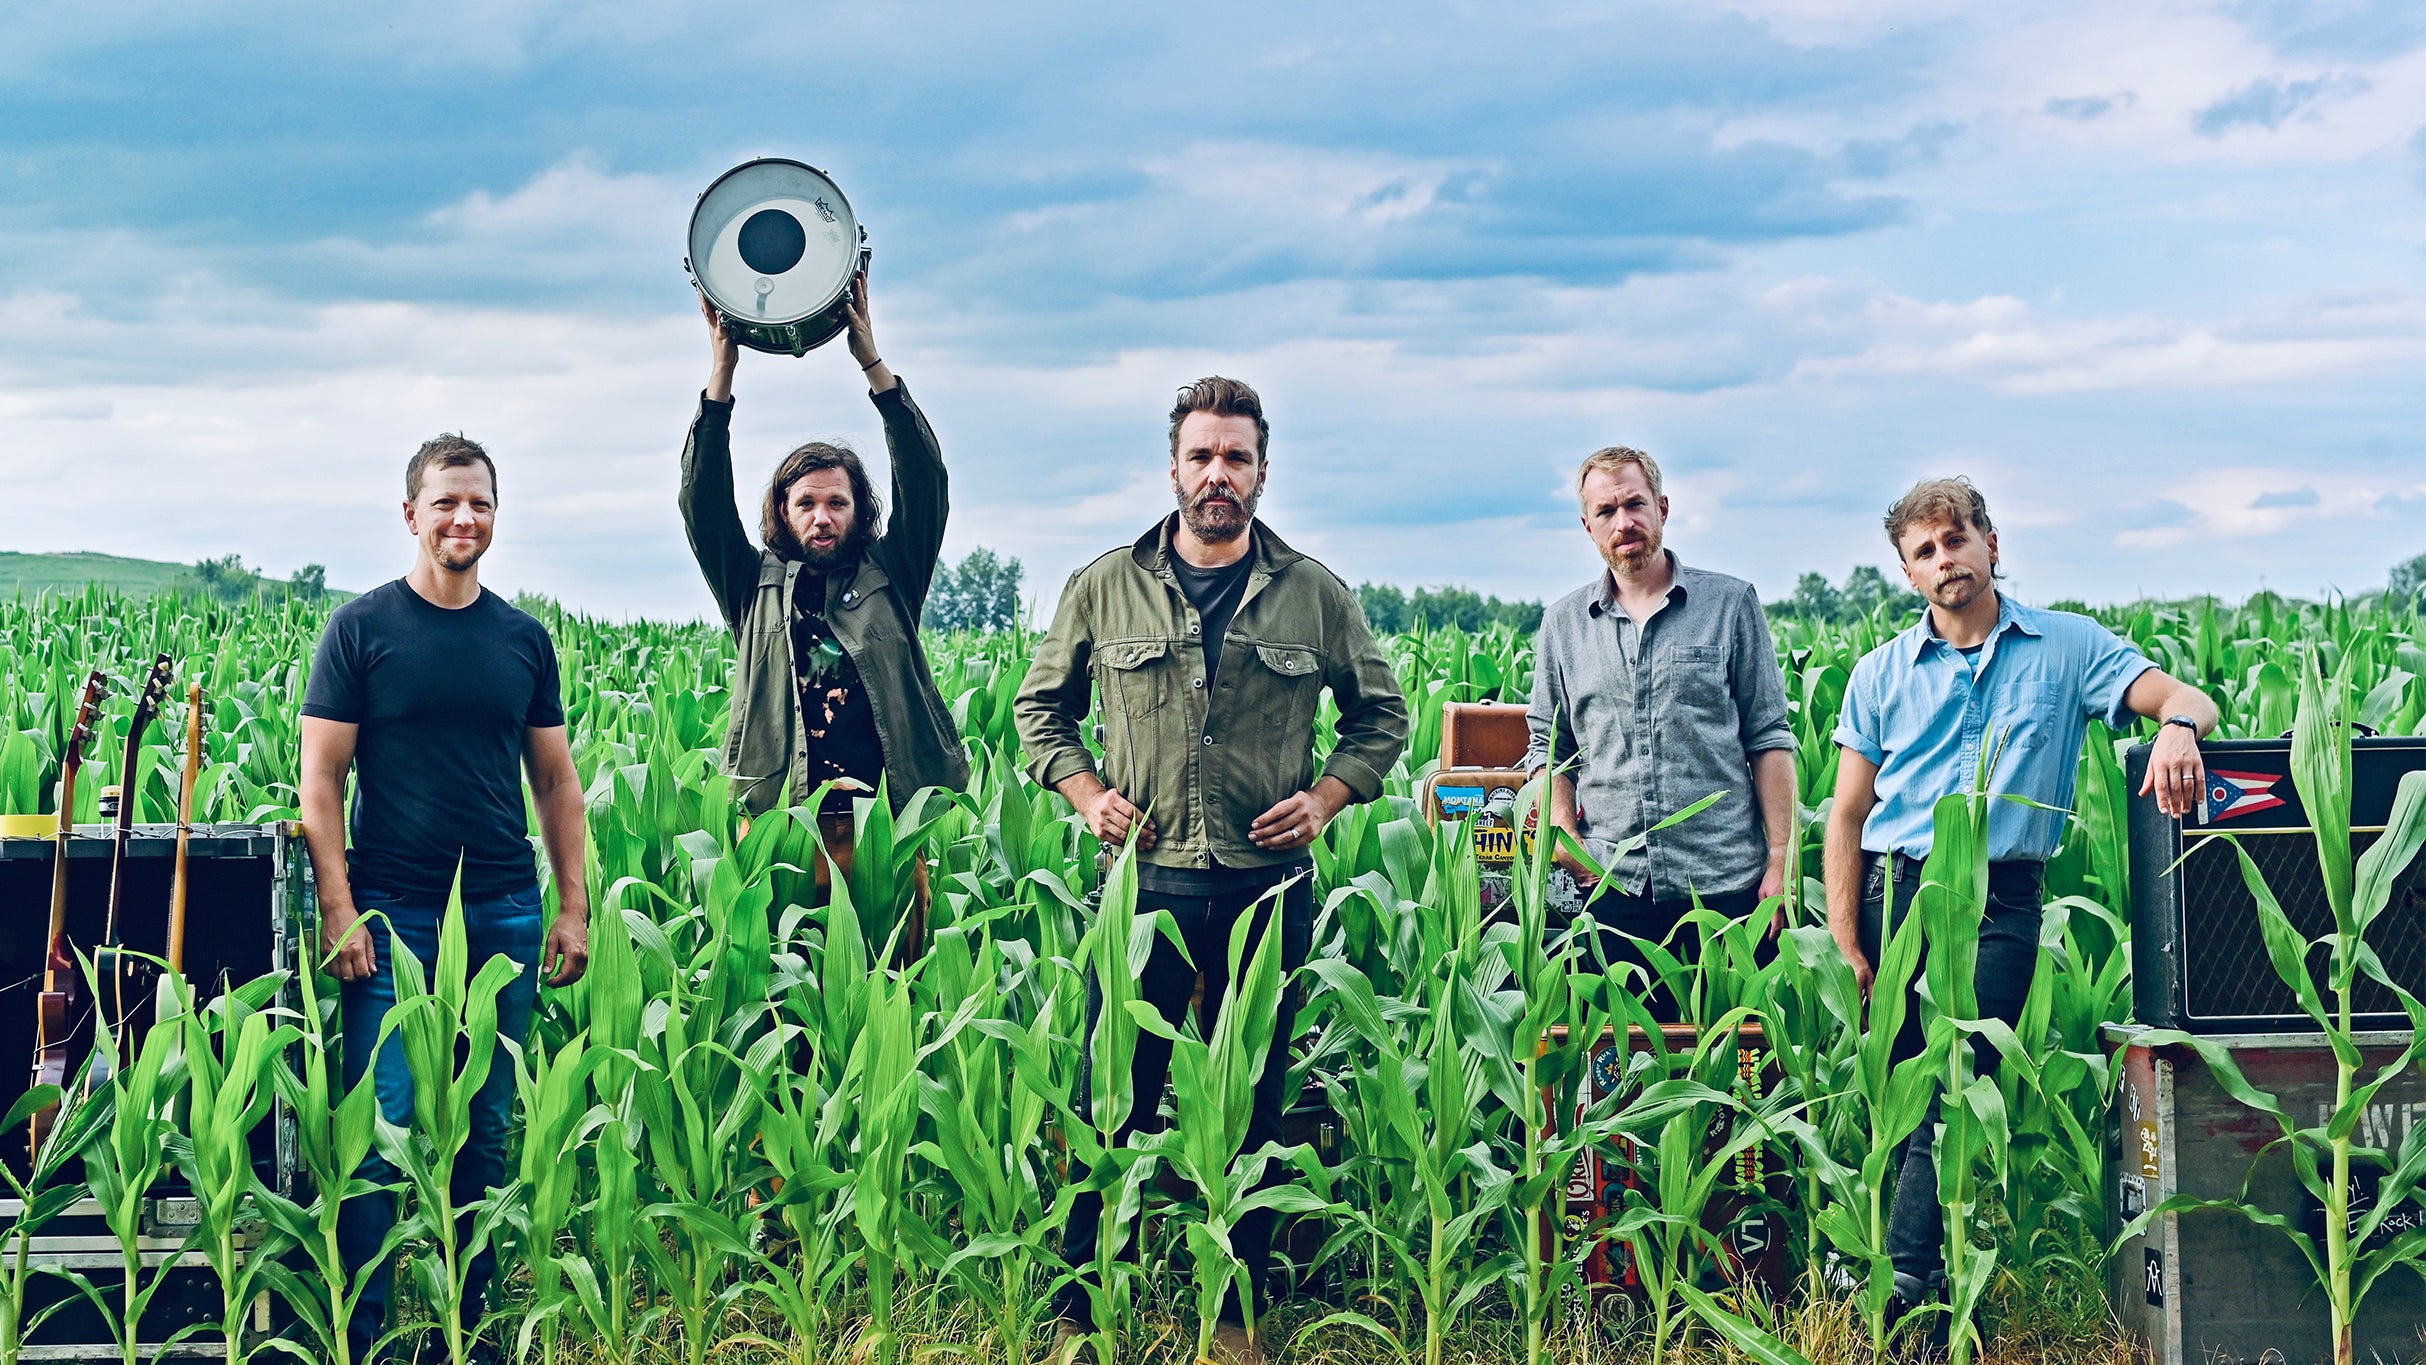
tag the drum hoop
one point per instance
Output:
(841, 291)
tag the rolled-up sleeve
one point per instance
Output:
(1857, 721)
(1055, 695)
(1373, 717)
(1760, 684)
(2110, 664)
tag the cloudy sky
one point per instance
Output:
(2154, 274)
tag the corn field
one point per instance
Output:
(746, 1136)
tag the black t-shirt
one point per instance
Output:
(444, 699)
(835, 712)
(1215, 594)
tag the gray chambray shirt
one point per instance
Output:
(1651, 719)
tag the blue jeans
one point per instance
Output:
(508, 924)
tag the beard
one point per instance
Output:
(820, 561)
(1634, 556)
(1215, 518)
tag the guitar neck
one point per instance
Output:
(55, 945)
(185, 828)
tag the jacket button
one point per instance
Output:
(1208, 741)
(849, 597)
(1191, 627)
(1196, 682)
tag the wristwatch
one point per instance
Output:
(2186, 723)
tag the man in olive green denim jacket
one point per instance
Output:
(1211, 642)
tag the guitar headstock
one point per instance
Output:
(147, 702)
(80, 737)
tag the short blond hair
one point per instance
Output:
(1932, 500)
(1610, 459)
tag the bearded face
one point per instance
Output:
(1627, 521)
(1217, 474)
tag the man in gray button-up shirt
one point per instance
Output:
(1661, 685)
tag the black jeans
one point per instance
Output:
(1168, 984)
(1620, 915)
(2008, 959)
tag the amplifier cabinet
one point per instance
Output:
(2198, 957)
(2209, 1285)
(249, 888)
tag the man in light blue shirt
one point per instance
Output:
(1978, 674)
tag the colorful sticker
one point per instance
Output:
(2232, 795)
(1456, 803)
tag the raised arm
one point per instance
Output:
(727, 557)
(922, 501)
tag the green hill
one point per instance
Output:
(31, 574)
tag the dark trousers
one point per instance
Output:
(1620, 916)
(2008, 958)
(509, 924)
(1169, 984)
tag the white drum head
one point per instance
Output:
(774, 241)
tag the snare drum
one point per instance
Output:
(773, 246)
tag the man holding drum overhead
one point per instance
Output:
(831, 683)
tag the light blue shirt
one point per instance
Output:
(1915, 708)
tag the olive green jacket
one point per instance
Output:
(872, 605)
(1202, 762)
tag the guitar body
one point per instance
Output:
(57, 1004)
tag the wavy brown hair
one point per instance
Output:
(808, 459)
(1223, 397)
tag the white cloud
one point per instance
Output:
(2240, 505)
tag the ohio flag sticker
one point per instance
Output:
(2232, 795)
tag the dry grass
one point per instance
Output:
(2058, 1323)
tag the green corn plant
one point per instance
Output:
(231, 1053)
(122, 1167)
(2354, 1256)
(1116, 949)
(449, 1034)
(1416, 1117)
(1885, 1104)
(694, 1103)
(1214, 1082)
(605, 1267)
(44, 1192)
(1663, 1232)
(558, 1121)
(334, 1131)
(987, 1113)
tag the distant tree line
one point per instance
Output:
(1389, 609)
(2408, 583)
(1865, 590)
(227, 579)
(981, 592)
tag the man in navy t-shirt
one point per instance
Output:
(437, 694)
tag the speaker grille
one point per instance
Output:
(2225, 970)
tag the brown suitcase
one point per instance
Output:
(1482, 734)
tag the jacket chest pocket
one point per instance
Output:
(1136, 676)
(1284, 687)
